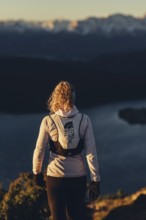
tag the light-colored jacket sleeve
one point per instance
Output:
(39, 151)
(91, 152)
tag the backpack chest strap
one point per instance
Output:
(56, 148)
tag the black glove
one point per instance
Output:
(39, 179)
(93, 190)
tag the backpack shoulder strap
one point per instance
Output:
(80, 125)
(53, 121)
(50, 116)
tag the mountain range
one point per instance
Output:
(75, 40)
(110, 25)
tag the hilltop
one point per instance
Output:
(26, 201)
(131, 207)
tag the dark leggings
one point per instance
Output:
(66, 197)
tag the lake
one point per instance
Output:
(121, 147)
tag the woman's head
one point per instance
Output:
(62, 97)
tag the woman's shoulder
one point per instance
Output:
(85, 116)
(85, 119)
(47, 118)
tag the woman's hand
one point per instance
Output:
(39, 179)
(93, 191)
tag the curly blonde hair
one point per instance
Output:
(62, 97)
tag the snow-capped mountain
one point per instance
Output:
(113, 24)
(65, 39)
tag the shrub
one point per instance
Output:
(24, 200)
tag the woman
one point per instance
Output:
(69, 134)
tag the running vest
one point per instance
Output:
(56, 147)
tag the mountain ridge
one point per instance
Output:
(113, 78)
(111, 25)
(73, 40)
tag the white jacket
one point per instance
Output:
(70, 166)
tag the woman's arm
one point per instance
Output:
(91, 156)
(39, 151)
(91, 152)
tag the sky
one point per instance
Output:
(68, 9)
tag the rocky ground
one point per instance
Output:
(131, 207)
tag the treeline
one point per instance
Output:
(26, 83)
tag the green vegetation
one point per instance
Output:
(24, 200)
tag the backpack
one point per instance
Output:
(56, 147)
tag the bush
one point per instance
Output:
(24, 200)
(2, 192)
